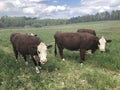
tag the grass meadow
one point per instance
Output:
(101, 71)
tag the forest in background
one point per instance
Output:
(7, 21)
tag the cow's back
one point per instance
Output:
(24, 43)
(75, 41)
(68, 40)
(87, 31)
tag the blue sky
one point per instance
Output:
(56, 8)
(71, 3)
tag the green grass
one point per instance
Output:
(101, 71)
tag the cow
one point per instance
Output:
(29, 45)
(87, 31)
(78, 41)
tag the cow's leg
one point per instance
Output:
(39, 65)
(36, 58)
(93, 50)
(26, 62)
(16, 54)
(82, 55)
(35, 63)
(61, 53)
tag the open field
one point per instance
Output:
(101, 71)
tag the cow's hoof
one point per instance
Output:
(37, 70)
(39, 67)
(63, 59)
(26, 63)
(16, 61)
(81, 64)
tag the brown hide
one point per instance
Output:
(75, 41)
(87, 30)
(25, 44)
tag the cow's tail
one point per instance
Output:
(55, 51)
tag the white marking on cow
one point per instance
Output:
(63, 59)
(102, 43)
(39, 67)
(88, 52)
(37, 70)
(81, 65)
(26, 62)
(42, 52)
(31, 34)
(35, 57)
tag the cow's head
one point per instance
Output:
(42, 52)
(102, 43)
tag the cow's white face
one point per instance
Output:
(102, 43)
(42, 52)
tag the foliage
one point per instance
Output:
(99, 80)
(114, 15)
(7, 21)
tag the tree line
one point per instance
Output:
(6, 21)
(114, 15)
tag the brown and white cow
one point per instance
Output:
(29, 45)
(87, 31)
(78, 41)
(83, 30)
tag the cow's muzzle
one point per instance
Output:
(102, 51)
(43, 61)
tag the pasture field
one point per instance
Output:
(100, 71)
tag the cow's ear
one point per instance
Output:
(49, 46)
(108, 41)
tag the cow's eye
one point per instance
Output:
(38, 52)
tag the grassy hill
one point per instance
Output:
(101, 71)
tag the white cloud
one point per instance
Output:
(37, 0)
(94, 6)
(29, 10)
(114, 2)
(2, 6)
(55, 8)
(98, 3)
(17, 2)
(42, 9)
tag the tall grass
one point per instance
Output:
(101, 71)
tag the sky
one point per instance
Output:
(56, 9)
